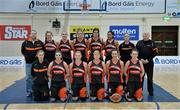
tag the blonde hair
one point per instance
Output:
(39, 51)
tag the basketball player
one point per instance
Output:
(80, 44)
(50, 47)
(115, 69)
(96, 71)
(78, 74)
(95, 43)
(65, 47)
(58, 72)
(110, 44)
(134, 71)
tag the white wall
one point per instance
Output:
(41, 23)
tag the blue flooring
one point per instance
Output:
(16, 94)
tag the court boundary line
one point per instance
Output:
(157, 105)
(6, 106)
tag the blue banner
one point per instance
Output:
(119, 32)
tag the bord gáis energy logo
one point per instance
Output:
(31, 6)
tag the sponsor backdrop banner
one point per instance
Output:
(14, 32)
(86, 29)
(167, 60)
(119, 32)
(12, 61)
(75, 6)
(173, 8)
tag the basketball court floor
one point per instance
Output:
(166, 93)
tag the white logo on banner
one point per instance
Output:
(167, 60)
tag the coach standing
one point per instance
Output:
(29, 49)
(147, 51)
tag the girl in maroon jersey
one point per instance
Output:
(96, 72)
(78, 74)
(110, 45)
(65, 47)
(115, 69)
(95, 43)
(80, 44)
(50, 46)
(134, 71)
(58, 72)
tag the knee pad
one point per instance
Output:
(119, 90)
(62, 92)
(138, 94)
(83, 92)
(100, 93)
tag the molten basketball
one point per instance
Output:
(115, 98)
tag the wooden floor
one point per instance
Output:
(164, 79)
(99, 106)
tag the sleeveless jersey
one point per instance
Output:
(78, 73)
(133, 72)
(115, 72)
(58, 72)
(96, 73)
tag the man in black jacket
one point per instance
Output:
(29, 49)
(147, 51)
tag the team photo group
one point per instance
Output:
(81, 67)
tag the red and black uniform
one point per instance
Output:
(50, 49)
(134, 80)
(96, 78)
(40, 80)
(78, 79)
(65, 49)
(115, 78)
(29, 49)
(125, 54)
(95, 45)
(82, 47)
(108, 49)
(58, 73)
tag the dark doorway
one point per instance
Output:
(166, 39)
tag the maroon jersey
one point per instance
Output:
(50, 49)
(96, 73)
(109, 47)
(134, 71)
(78, 73)
(65, 49)
(58, 72)
(82, 47)
(96, 45)
(115, 72)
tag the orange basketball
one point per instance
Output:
(115, 98)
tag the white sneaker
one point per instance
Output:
(128, 99)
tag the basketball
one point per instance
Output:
(115, 98)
